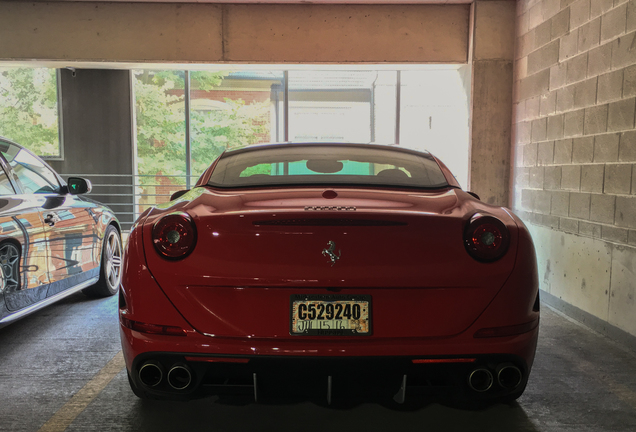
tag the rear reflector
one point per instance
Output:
(218, 359)
(448, 360)
(507, 331)
(153, 328)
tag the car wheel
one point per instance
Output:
(10, 265)
(110, 272)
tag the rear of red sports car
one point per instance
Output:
(329, 272)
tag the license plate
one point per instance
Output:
(330, 315)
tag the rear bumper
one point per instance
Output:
(369, 370)
(136, 343)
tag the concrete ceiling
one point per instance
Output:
(208, 33)
(396, 2)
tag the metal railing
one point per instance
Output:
(129, 195)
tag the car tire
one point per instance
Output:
(10, 267)
(110, 271)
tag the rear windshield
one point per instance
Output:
(327, 165)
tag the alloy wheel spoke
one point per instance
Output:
(113, 260)
(9, 257)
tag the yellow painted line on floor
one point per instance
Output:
(80, 400)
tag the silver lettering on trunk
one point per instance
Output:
(336, 208)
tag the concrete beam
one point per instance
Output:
(217, 33)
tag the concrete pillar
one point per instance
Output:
(97, 134)
(491, 58)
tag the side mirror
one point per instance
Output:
(177, 194)
(473, 194)
(78, 186)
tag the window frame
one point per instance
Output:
(60, 123)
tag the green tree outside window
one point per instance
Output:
(28, 109)
(160, 119)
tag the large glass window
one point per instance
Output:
(29, 109)
(185, 120)
(342, 106)
(161, 134)
(232, 109)
(434, 116)
(226, 110)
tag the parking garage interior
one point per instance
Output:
(536, 113)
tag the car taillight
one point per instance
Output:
(174, 236)
(153, 328)
(507, 330)
(486, 238)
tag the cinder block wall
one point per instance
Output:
(574, 144)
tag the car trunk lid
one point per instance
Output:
(255, 250)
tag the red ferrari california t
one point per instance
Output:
(329, 272)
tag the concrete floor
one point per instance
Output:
(581, 381)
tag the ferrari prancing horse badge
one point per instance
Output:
(330, 251)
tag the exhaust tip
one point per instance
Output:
(509, 376)
(480, 380)
(179, 377)
(151, 373)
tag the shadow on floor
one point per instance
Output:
(209, 414)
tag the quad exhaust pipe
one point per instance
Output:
(480, 380)
(507, 375)
(179, 377)
(151, 373)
